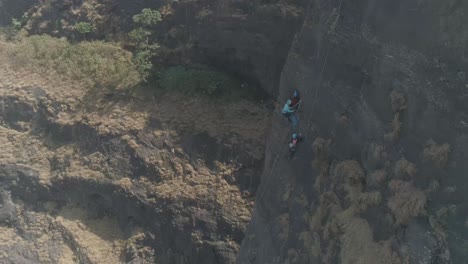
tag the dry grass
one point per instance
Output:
(351, 176)
(293, 256)
(398, 101)
(93, 63)
(311, 242)
(283, 225)
(322, 152)
(102, 239)
(446, 211)
(377, 178)
(350, 172)
(437, 154)
(321, 160)
(365, 200)
(202, 186)
(440, 233)
(321, 222)
(329, 205)
(407, 202)
(405, 169)
(341, 230)
(377, 152)
(394, 134)
(358, 246)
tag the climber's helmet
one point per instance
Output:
(295, 94)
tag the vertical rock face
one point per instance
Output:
(250, 39)
(383, 84)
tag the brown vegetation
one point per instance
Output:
(398, 101)
(377, 152)
(367, 199)
(167, 175)
(394, 134)
(92, 63)
(358, 245)
(350, 172)
(329, 205)
(335, 223)
(437, 154)
(407, 202)
(321, 222)
(311, 242)
(283, 225)
(405, 169)
(377, 178)
(321, 160)
(321, 150)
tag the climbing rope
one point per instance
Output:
(309, 122)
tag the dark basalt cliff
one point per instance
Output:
(380, 176)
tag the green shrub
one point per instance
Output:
(84, 28)
(98, 63)
(17, 24)
(200, 79)
(140, 38)
(148, 17)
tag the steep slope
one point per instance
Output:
(380, 176)
(91, 177)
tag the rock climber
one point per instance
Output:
(296, 100)
(294, 139)
(290, 112)
(290, 108)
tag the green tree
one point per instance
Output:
(148, 17)
(17, 24)
(141, 36)
(84, 28)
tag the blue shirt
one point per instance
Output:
(287, 109)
